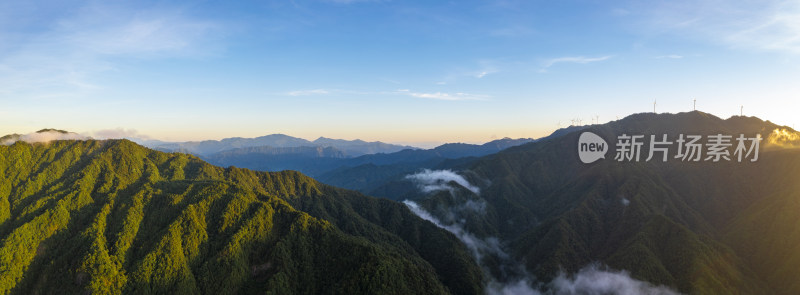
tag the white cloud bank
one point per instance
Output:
(45, 136)
(435, 180)
(593, 280)
(118, 133)
(571, 59)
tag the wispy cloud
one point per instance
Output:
(118, 133)
(309, 92)
(407, 92)
(620, 12)
(434, 180)
(670, 56)
(443, 95)
(45, 136)
(487, 67)
(63, 55)
(772, 25)
(592, 279)
(480, 70)
(512, 31)
(393, 81)
(572, 59)
(483, 73)
(351, 1)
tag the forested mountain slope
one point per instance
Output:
(107, 217)
(702, 227)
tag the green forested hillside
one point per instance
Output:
(108, 217)
(700, 228)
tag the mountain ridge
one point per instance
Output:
(207, 147)
(115, 217)
(665, 223)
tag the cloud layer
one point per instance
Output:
(46, 136)
(62, 56)
(593, 280)
(765, 25)
(443, 95)
(572, 59)
(439, 180)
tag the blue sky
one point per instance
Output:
(417, 72)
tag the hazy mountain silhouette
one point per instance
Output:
(333, 162)
(350, 148)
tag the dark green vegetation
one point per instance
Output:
(108, 217)
(700, 228)
(112, 217)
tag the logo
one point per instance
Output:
(591, 147)
(683, 147)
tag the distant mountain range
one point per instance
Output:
(372, 174)
(383, 175)
(348, 148)
(330, 163)
(331, 159)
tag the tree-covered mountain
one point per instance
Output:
(110, 217)
(702, 227)
(350, 148)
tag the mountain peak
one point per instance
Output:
(325, 140)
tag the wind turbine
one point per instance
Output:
(741, 111)
(695, 104)
(654, 106)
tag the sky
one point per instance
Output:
(411, 72)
